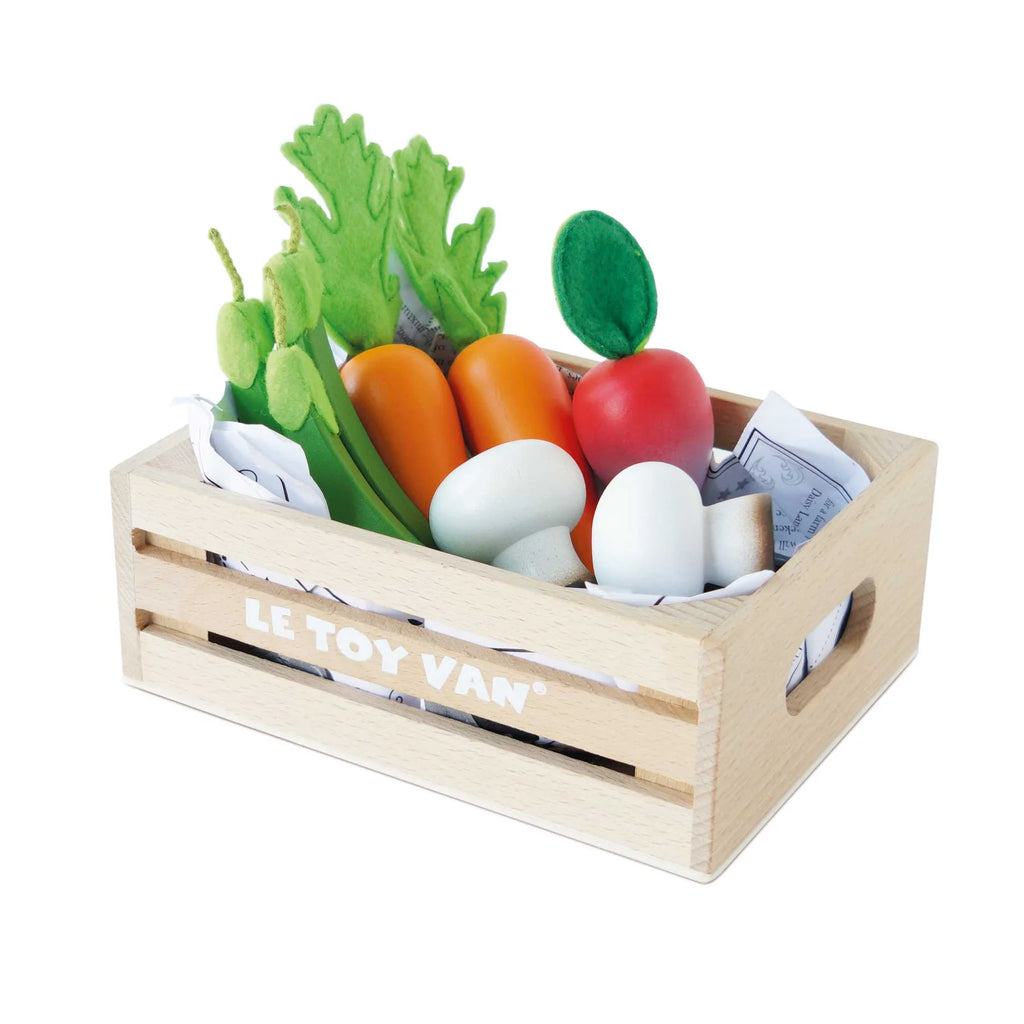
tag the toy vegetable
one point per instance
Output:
(357, 441)
(506, 389)
(649, 532)
(407, 408)
(298, 268)
(244, 333)
(513, 506)
(641, 405)
(372, 210)
(652, 535)
(282, 388)
(450, 278)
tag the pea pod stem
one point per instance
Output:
(290, 214)
(277, 306)
(237, 291)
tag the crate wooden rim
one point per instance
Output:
(716, 744)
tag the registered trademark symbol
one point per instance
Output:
(540, 689)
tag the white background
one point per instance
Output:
(832, 198)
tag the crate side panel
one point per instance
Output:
(705, 772)
(635, 644)
(872, 447)
(591, 804)
(764, 750)
(652, 734)
(129, 620)
(124, 570)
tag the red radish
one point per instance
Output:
(648, 407)
(641, 405)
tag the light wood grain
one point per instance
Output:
(635, 644)
(652, 734)
(873, 448)
(129, 619)
(763, 748)
(717, 744)
(124, 569)
(193, 627)
(705, 771)
(588, 803)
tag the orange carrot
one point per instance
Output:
(508, 389)
(407, 408)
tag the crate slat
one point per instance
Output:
(635, 644)
(129, 619)
(658, 736)
(587, 802)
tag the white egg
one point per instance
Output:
(649, 532)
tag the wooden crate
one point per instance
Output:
(713, 743)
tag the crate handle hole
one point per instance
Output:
(853, 632)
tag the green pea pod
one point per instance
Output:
(292, 278)
(282, 375)
(350, 499)
(298, 275)
(244, 332)
(357, 441)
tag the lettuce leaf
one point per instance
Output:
(350, 235)
(449, 278)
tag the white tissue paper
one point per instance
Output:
(782, 453)
(254, 460)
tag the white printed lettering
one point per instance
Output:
(514, 693)
(389, 656)
(252, 615)
(471, 679)
(323, 630)
(280, 621)
(437, 675)
(353, 644)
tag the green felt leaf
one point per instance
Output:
(350, 235)
(244, 340)
(449, 278)
(295, 390)
(604, 285)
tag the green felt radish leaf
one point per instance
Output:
(450, 278)
(294, 389)
(604, 285)
(350, 235)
